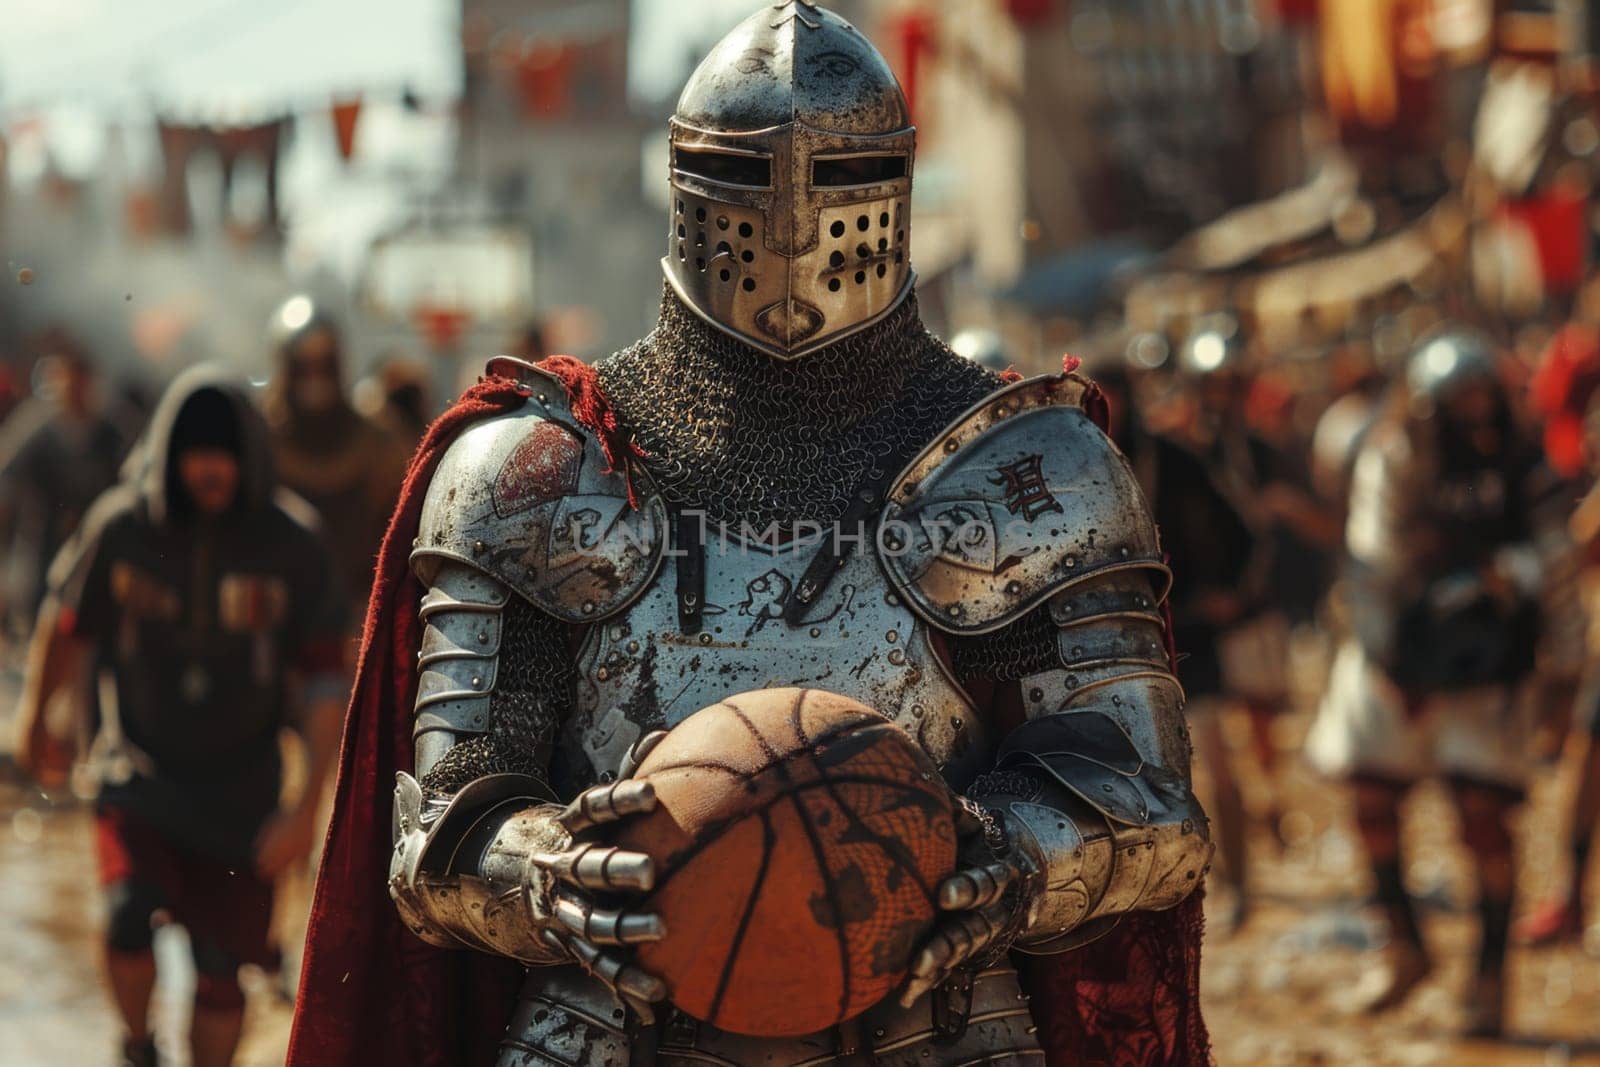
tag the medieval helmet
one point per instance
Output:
(792, 151)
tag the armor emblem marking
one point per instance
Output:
(542, 468)
(1026, 493)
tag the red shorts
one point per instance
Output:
(224, 908)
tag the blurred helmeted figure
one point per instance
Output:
(206, 596)
(57, 453)
(1443, 580)
(348, 467)
(789, 380)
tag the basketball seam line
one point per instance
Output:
(834, 733)
(768, 840)
(892, 847)
(698, 846)
(833, 904)
(766, 749)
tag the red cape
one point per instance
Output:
(372, 992)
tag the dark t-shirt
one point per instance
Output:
(202, 628)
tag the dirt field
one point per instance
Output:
(1276, 991)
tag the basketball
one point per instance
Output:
(799, 841)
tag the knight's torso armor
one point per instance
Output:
(1009, 548)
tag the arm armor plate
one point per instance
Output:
(1024, 502)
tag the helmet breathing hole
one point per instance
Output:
(863, 224)
(837, 229)
(700, 214)
(700, 265)
(834, 285)
(836, 260)
(725, 274)
(746, 230)
(883, 269)
(749, 285)
(748, 256)
(861, 277)
(883, 220)
(724, 248)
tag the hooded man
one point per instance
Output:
(988, 577)
(207, 597)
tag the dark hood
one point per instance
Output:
(156, 467)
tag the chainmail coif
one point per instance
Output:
(743, 437)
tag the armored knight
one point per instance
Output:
(822, 495)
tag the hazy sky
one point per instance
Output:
(260, 53)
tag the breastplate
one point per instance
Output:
(639, 671)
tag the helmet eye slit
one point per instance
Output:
(726, 168)
(835, 172)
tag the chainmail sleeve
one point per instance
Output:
(531, 698)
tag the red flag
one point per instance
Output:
(346, 112)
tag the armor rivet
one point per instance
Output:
(955, 720)
(588, 609)
(1013, 588)
(1072, 682)
(1077, 650)
(951, 445)
(1072, 561)
(955, 610)
(1117, 701)
(1106, 788)
(1124, 552)
(816, 631)
(602, 674)
(633, 646)
(1036, 695)
(479, 548)
(917, 711)
(477, 683)
(892, 600)
(705, 639)
(879, 1032)
(543, 399)
(618, 633)
(897, 657)
(483, 637)
(892, 636)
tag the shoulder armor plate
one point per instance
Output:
(1021, 498)
(524, 498)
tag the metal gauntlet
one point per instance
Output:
(1094, 788)
(468, 877)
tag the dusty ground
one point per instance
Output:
(1275, 990)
